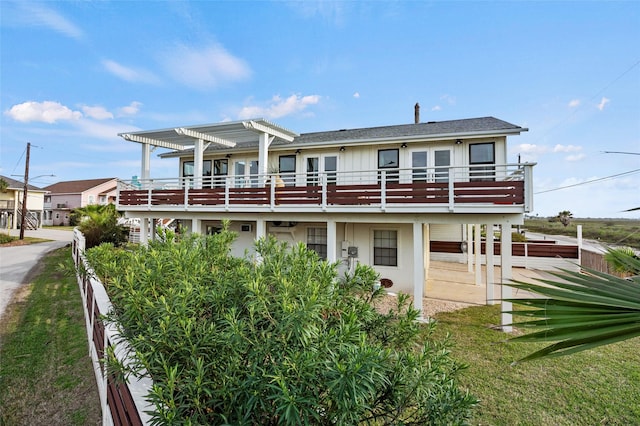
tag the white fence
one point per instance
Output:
(122, 403)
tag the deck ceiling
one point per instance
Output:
(232, 132)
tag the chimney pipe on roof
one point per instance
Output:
(417, 113)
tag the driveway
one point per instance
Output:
(16, 262)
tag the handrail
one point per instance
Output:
(381, 187)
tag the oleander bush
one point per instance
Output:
(275, 338)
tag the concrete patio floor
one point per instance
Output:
(453, 282)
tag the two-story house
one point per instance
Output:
(63, 197)
(11, 197)
(380, 196)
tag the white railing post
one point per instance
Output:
(452, 198)
(383, 190)
(323, 179)
(227, 184)
(528, 188)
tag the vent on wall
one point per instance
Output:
(246, 227)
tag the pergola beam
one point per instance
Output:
(150, 141)
(252, 125)
(205, 137)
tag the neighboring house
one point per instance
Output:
(11, 199)
(63, 197)
(381, 196)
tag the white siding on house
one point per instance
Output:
(446, 232)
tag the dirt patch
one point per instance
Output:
(430, 306)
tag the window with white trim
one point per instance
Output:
(317, 241)
(482, 153)
(385, 247)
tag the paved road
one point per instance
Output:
(16, 262)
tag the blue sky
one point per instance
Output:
(76, 73)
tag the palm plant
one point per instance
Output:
(565, 217)
(581, 310)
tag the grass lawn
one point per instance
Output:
(624, 232)
(46, 376)
(596, 387)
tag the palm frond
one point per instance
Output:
(579, 311)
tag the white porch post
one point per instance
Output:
(489, 264)
(579, 236)
(477, 244)
(144, 231)
(145, 164)
(332, 251)
(506, 275)
(261, 228)
(418, 266)
(196, 226)
(197, 163)
(263, 153)
(469, 247)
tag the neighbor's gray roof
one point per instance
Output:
(16, 184)
(451, 129)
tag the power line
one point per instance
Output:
(590, 181)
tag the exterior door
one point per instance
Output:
(430, 165)
(246, 173)
(322, 164)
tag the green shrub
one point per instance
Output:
(280, 340)
(5, 238)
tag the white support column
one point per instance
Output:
(426, 238)
(261, 228)
(469, 247)
(332, 241)
(477, 248)
(418, 266)
(198, 151)
(144, 231)
(506, 275)
(489, 264)
(263, 153)
(579, 237)
(196, 226)
(145, 163)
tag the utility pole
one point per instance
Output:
(24, 192)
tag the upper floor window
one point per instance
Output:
(389, 159)
(326, 164)
(188, 170)
(482, 153)
(91, 199)
(220, 170)
(287, 169)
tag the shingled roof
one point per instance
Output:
(432, 128)
(17, 185)
(76, 186)
(451, 129)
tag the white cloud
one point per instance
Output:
(132, 109)
(97, 112)
(102, 130)
(603, 102)
(279, 107)
(575, 157)
(436, 108)
(527, 148)
(451, 100)
(566, 148)
(46, 112)
(356, 95)
(205, 68)
(574, 103)
(131, 75)
(38, 15)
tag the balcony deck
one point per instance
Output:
(503, 188)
